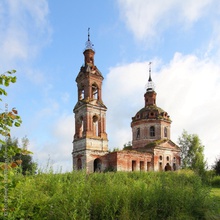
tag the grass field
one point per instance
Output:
(215, 195)
(178, 195)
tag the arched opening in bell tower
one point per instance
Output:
(94, 91)
(81, 93)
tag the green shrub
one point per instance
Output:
(216, 181)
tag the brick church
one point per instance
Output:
(151, 150)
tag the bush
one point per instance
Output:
(216, 181)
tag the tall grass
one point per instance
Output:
(121, 195)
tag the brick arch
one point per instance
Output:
(97, 165)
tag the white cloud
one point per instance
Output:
(147, 19)
(188, 89)
(24, 29)
(57, 148)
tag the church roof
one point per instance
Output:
(161, 144)
(151, 112)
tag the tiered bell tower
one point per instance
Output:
(90, 139)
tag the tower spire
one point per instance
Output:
(88, 34)
(89, 44)
(149, 72)
(150, 84)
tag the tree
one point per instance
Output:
(216, 166)
(21, 157)
(192, 152)
(7, 118)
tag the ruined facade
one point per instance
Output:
(151, 147)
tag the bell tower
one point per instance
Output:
(90, 138)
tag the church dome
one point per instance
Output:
(151, 112)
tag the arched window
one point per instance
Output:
(138, 133)
(152, 131)
(161, 157)
(165, 132)
(79, 164)
(95, 125)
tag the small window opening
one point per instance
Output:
(138, 133)
(168, 158)
(152, 131)
(165, 132)
(160, 166)
(161, 157)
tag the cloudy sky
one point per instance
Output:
(44, 41)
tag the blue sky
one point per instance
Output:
(44, 40)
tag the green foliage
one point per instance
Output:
(192, 156)
(11, 118)
(5, 80)
(128, 146)
(215, 195)
(120, 195)
(216, 166)
(216, 181)
(7, 120)
(18, 156)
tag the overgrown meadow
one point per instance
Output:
(103, 196)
